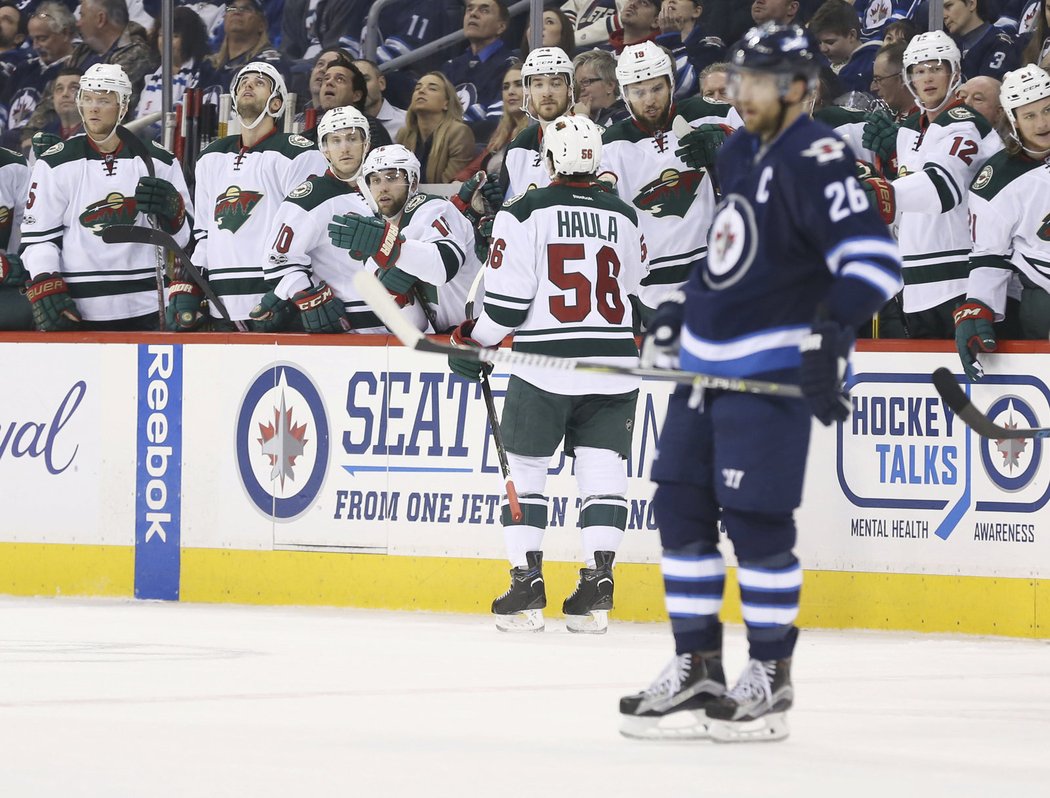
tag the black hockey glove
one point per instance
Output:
(494, 192)
(53, 308)
(12, 272)
(663, 334)
(974, 334)
(157, 197)
(272, 314)
(468, 368)
(825, 355)
(700, 147)
(185, 310)
(321, 309)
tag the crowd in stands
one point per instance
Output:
(457, 109)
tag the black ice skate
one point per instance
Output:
(520, 609)
(755, 710)
(672, 707)
(587, 609)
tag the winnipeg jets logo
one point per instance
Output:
(826, 149)
(878, 12)
(1011, 463)
(234, 206)
(671, 194)
(282, 442)
(731, 243)
(114, 209)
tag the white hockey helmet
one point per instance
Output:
(393, 156)
(1020, 87)
(572, 145)
(107, 77)
(936, 45)
(279, 90)
(545, 61)
(339, 119)
(642, 61)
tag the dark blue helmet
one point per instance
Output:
(783, 49)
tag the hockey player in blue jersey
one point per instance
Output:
(797, 259)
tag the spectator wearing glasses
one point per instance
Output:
(246, 41)
(597, 92)
(51, 32)
(887, 81)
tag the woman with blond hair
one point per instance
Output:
(434, 130)
(511, 123)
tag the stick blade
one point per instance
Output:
(383, 305)
(946, 385)
(680, 127)
(127, 234)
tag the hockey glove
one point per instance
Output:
(663, 334)
(157, 197)
(469, 201)
(468, 368)
(396, 281)
(700, 147)
(881, 197)
(483, 238)
(974, 334)
(880, 135)
(272, 314)
(185, 309)
(366, 237)
(321, 309)
(494, 191)
(825, 355)
(42, 142)
(53, 308)
(12, 272)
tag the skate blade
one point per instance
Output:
(524, 621)
(594, 623)
(766, 729)
(684, 725)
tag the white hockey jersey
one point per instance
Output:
(676, 204)
(237, 196)
(14, 187)
(75, 193)
(523, 168)
(563, 263)
(298, 247)
(936, 163)
(439, 250)
(1010, 223)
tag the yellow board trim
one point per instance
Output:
(830, 599)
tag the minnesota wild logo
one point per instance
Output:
(5, 218)
(233, 208)
(114, 209)
(671, 194)
(1044, 231)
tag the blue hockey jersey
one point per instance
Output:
(875, 15)
(794, 230)
(988, 51)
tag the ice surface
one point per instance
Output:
(107, 698)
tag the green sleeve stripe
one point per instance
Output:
(41, 233)
(990, 262)
(936, 273)
(505, 317)
(451, 257)
(669, 275)
(503, 299)
(947, 190)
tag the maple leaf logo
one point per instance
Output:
(282, 441)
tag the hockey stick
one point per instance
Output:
(129, 234)
(960, 404)
(372, 291)
(494, 423)
(138, 149)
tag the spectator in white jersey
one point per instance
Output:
(189, 48)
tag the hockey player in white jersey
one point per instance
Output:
(1010, 224)
(241, 181)
(79, 188)
(675, 200)
(938, 150)
(422, 246)
(15, 312)
(547, 84)
(302, 264)
(564, 262)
